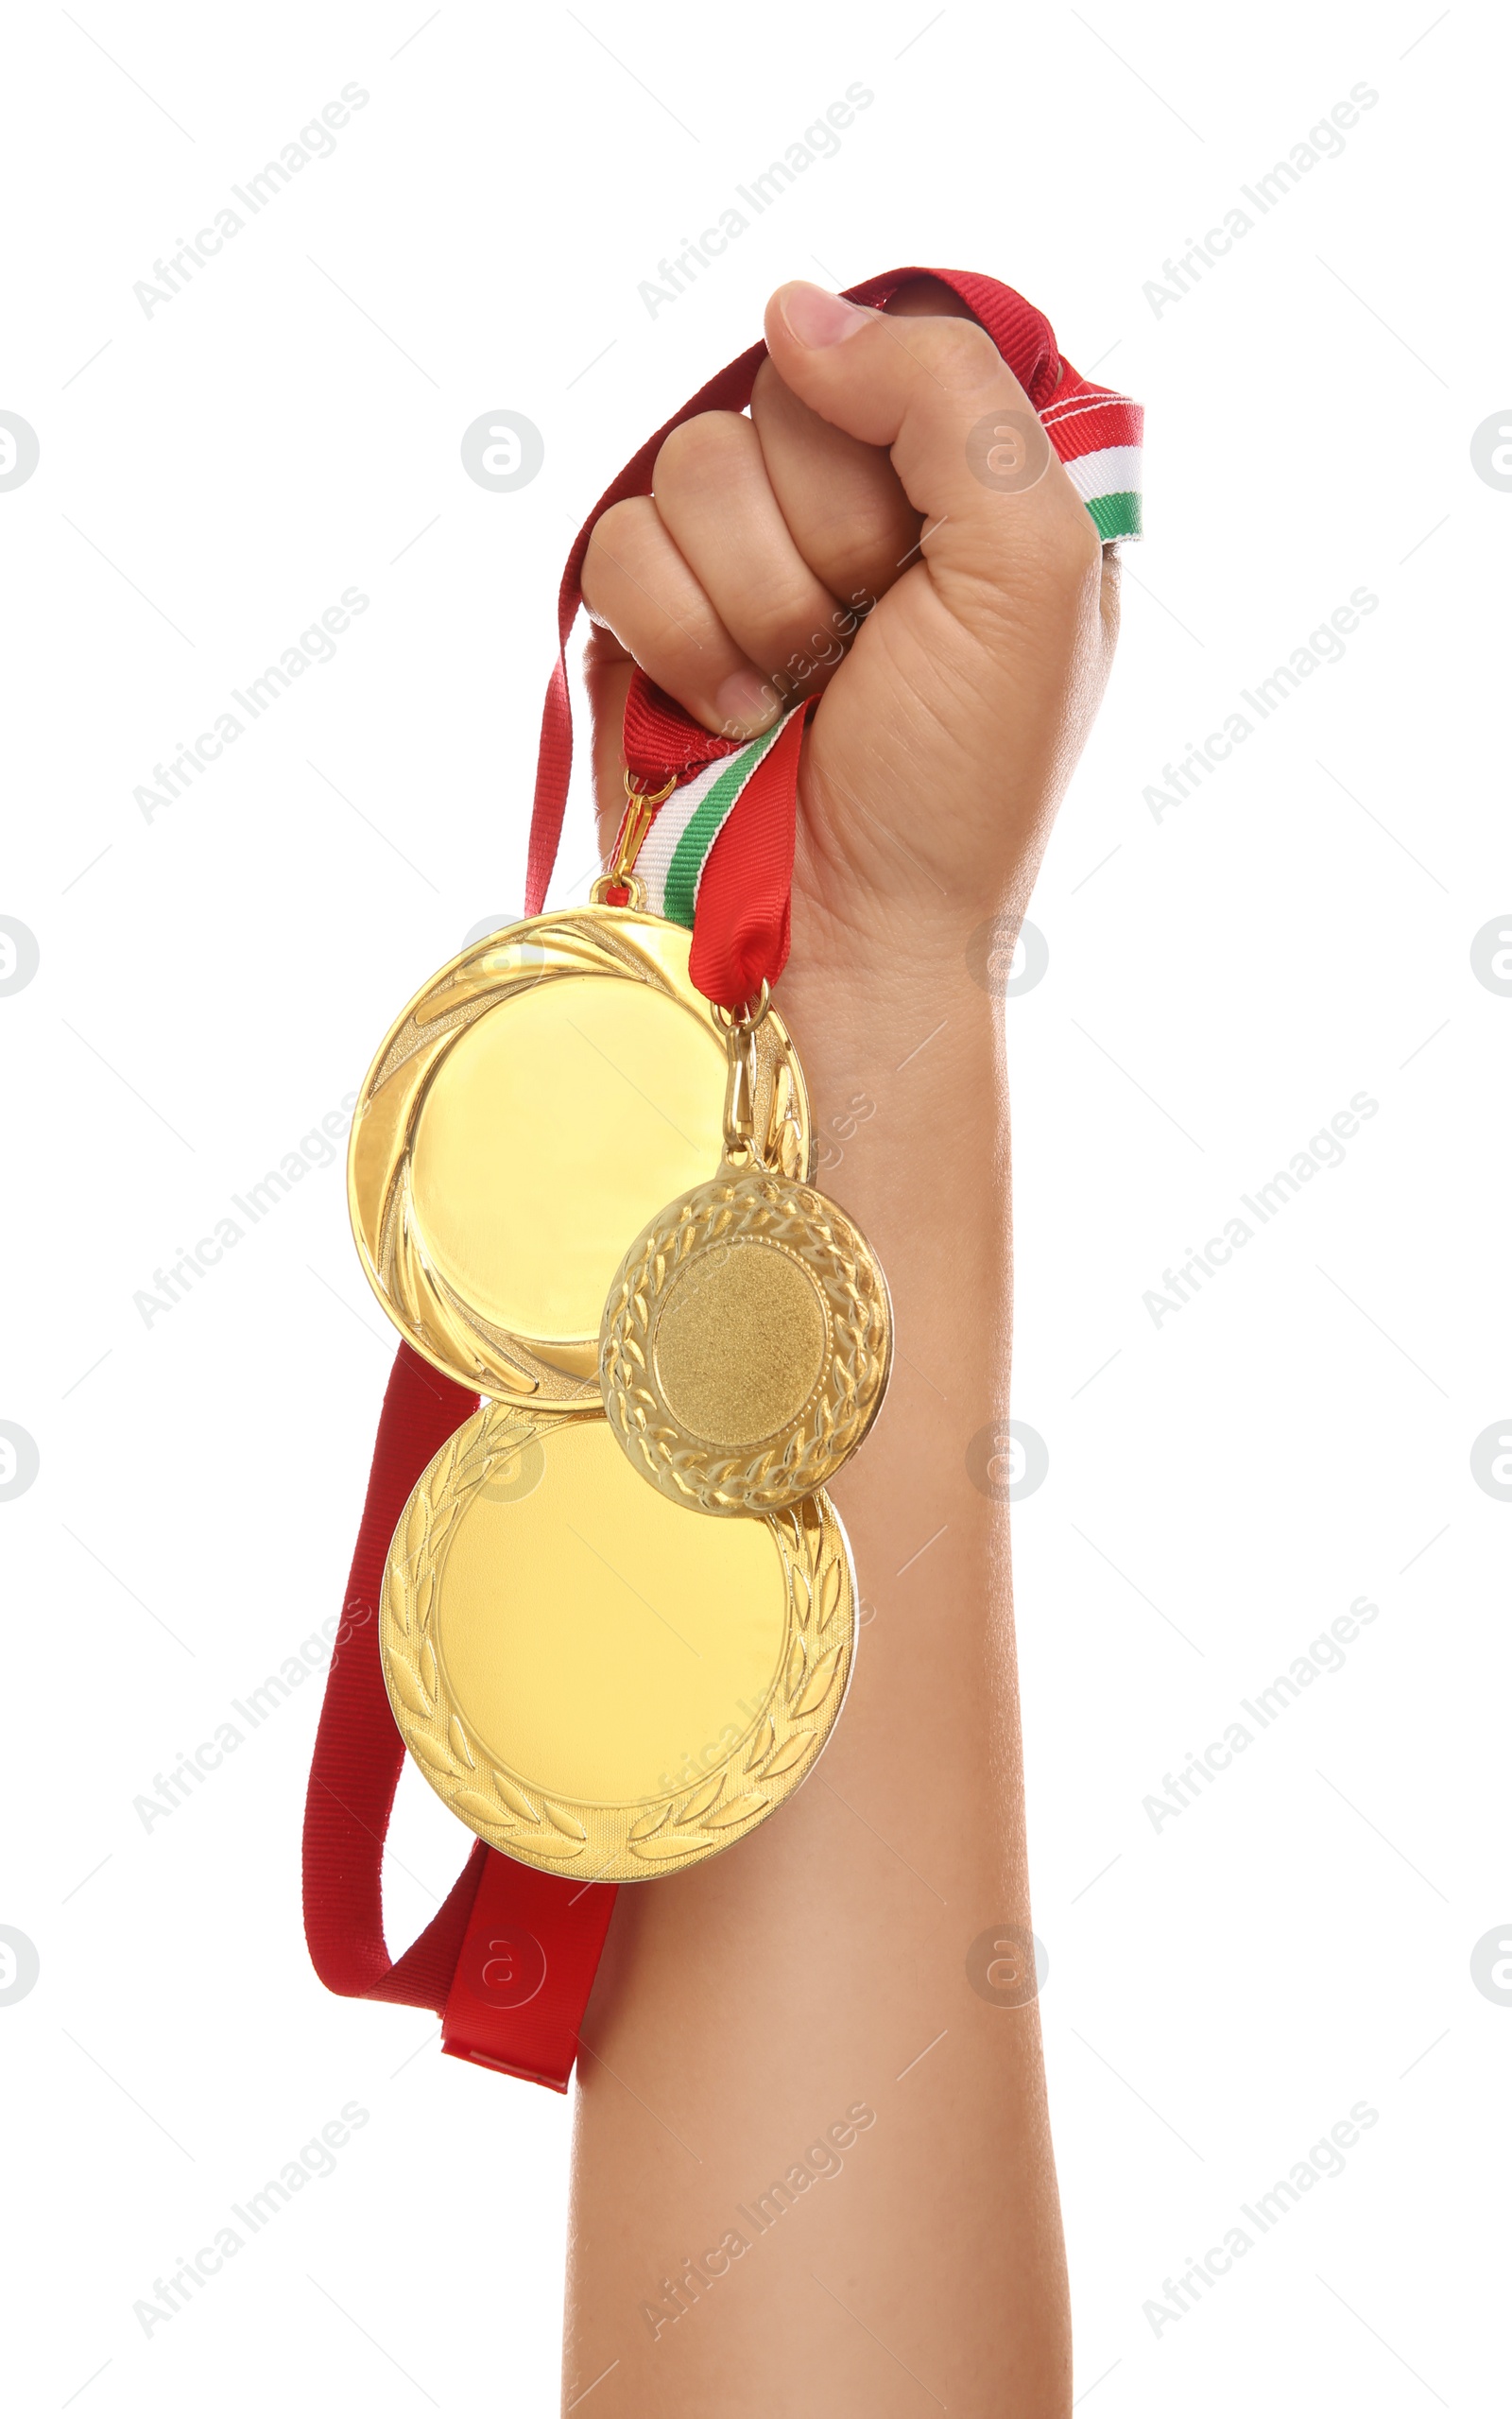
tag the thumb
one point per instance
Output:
(973, 456)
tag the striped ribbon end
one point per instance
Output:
(1098, 435)
(676, 847)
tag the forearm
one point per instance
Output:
(745, 2006)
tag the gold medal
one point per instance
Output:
(534, 1104)
(596, 1684)
(746, 1340)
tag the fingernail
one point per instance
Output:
(816, 319)
(744, 701)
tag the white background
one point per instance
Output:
(1220, 983)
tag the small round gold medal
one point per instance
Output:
(746, 1344)
(593, 1682)
(747, 1341)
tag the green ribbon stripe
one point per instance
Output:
(703, 829)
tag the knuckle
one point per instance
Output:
(699, 449)
(864, 556)
(956, 352)
(780, 598)
(857, 530)
(618, 537)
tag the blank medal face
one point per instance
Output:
(598, 1637)
(746, 1344)
(561, 1124)
(533, 1108)
(595, 1681)
(738, 1344)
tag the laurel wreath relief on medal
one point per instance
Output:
(613, 1844)
(744, 1208)
(448, 1330)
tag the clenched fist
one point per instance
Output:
(855, 536)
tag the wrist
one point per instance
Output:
(908, 1100)
(902, 1017)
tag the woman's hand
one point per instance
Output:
(889, 528)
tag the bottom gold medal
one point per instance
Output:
(593, 1681)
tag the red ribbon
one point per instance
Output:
(509, 1960)
(743, 924)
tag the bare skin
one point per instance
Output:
(800, 2008)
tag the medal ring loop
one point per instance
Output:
(621, 886)
(617, 890)
(650, 799)
(747, 1019)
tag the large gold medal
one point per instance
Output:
(595, 1683)
(535, 1105)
